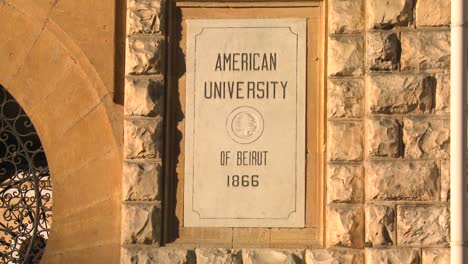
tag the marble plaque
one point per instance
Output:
(245, 123)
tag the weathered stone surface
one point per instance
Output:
(435, 255)
(346, 16)
(346, 56)
(401, 93)
(218, 256)
(384, 136)
(393, 256)
(430, 13)
(327, 256)
(383, 51)
(386, 14)
(144, 97)
(345, 141)
(145, 56)
(345, 183)
(442, 104)
(141, 181)
(445, 181)
(414, 181)
(271, 256)
(426, 138)
(425, 50)
(380, 225)
(157, 255)
(345, 98)
(141, 224)
(423, 225)
(143, 138)
(345, 226)
(144, 16)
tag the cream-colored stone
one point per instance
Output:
(157, 255)
(345, 183)
(346, 16)
(401, 93)
(345, 141)
(423, 225)
(143, 138)
(442, 97)
(383, 51)
(141, 181)
(435, 255)
(393, 256)
(345, 56)
(145, 55)
(330, 256)
(271, 256)
(430, 13)
(145, 16)
(413, 181)
(445, 180)
(345, 226)
(141, 224)
(386, 14)
(345, 98)
(380, 225)
(144, 97)
(218, 256)
(384, 137)
(424, 50)
(426, 138)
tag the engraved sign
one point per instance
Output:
(245, 123)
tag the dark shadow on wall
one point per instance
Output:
(119, 54)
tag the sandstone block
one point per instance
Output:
(346, 16)
(445, 181)
(218, 256)
(346, 56)
(436, 255)
(143, 138)
(423, 225)
(426, 138)
(141, 224)
(430, 13)
(383, 51)
(384, 137)
(413, 181)
(157, 255)
(345, 141)
(442, 104)
(345, 183)
(345, 98)
(425, 50)
(144, 97)
(386, 14)
(327, 256)
(380, 225)
(144, 16)
(345, 225)
(141, 181)
(401, 93)
(271, 256)
(145, 56)
(394, 256)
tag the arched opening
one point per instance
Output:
(25, 186)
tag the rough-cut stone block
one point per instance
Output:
(345, 141)
(383, 51)
(393, 256)
(442, 104)
(430, 13)
(425, 50)
(346, 56)
(144, 16)
(327, 256)
(346, 16)
(386, 14)
(436, 255)
(141, 181)
(423, 225)
(345, 225)
(157, 255)
(141, 224)
(144, 97)
(143, 138)
(401, 93)
(384, 136)
(414, 181)
(271, 256)
(380, 225)
(218, 256)
(145, 56)
(445, 181)
(426, 138)
(345, 183)
(345, 98)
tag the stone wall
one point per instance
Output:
(387, 178)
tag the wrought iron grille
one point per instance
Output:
(25, 188)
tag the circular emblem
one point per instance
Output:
(244, 125)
